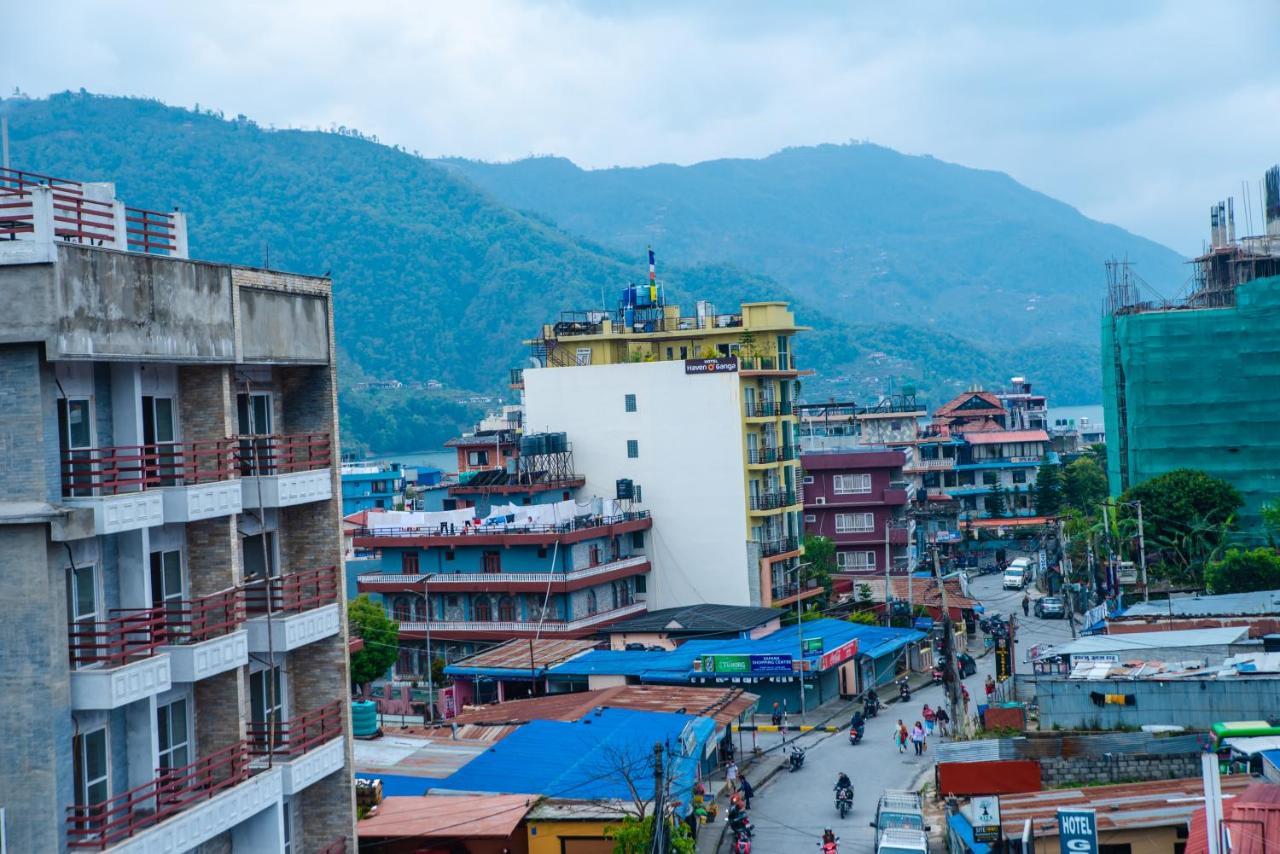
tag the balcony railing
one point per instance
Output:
(283, 454)
(782, 362)
(766, 409)
(781, 545)
(198, 620)
(101, 825)
(551, 627)
(773, 500)
(131, 468)
(292, 738)
(517, 377)
(292, 593)
(940, 464)
(415, 581)
(579, 523)
(126, 636)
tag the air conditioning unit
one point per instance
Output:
(820, 500)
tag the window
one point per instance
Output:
(492, 562)
(91, 771)
(542, 551)
(166, 587)
(260, 555)
(583, 355)
(670, 354)
(450, 555)
(854, 523)
(253, 418)
(593, 555)
(629, 402)
(808, 480)
(856, 560)
(635, 490)
(287, 815)
(990, 478)
(477, 458)
(75, 431)
(483, 609)
(684, 352)
(637, 539)
(401, 611)
(633, 449)
(810, 517)
(175, 735)
(82, 605)
(591, 602)
(851, 484)
(507, 609)
(641, 584)
(159, 433)
(451, 601)
(266, 705)
(409, 563)
(1019, 476)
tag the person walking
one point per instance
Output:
(991, 688)
(746, 791)
(917, 738)
(929, 715)
(902, 736)
(731, 775)
(943, 720)
(1026, 604)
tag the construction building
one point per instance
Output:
(694, 413)
(176, 652)
(1194, 382)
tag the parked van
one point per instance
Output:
(1017, 574)
(899, 824)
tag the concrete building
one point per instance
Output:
(175, 659)
(694, 414)
(858, 499)
(371, 486)
(1194, 383)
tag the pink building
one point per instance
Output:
(858, 498)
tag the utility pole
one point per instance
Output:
(800, 635)
(948, 636)
(888, 591)
(1142, 553)
(659, 824)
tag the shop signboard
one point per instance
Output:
(1077, 831)
(986, 818)
(721, 365)
(811, 646)
(839, 655)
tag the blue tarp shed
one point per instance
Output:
(962, 832)
(590, 758)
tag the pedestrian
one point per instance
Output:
(731, 775)
(777, 715)
(991, 688)
(902, 736)
(917, 738)
(1026, 604)
(746, 792)
(943, 720)
(929, 716)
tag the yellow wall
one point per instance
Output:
(544, 836)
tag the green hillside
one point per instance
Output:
(433, 277)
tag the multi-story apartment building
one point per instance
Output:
(555, 562)
(858, 498)
(175, 652)
(371, 486)
(695, 413)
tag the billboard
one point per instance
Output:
(811, 646)
(986, 818)
(721, 365)
(1077, 831)
(839, 655)
(772, 665)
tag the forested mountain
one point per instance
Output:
(435, 278)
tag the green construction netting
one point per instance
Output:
(1201, 389)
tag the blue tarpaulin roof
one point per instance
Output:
(585, 759)
(676, 665)
(960, 826)
(400, 784)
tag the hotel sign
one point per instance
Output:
(721, 365)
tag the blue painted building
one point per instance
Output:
(370, 486)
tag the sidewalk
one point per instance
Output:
(758, 770)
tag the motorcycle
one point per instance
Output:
(938, 674)
(871, 707)
(855, 734)
(796, 759)
(741, 844)
(739, 823)
(844, 801)
(828, 845)
(904, 690)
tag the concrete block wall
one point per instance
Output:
(206, 402)
(1060, 771)
(214, 558)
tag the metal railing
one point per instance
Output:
(196, 620)
(132, 468)
(579, 523)
(125, 636)
(150, 231)
(294, 737)
(781, 545)
(294, 592)
(466, 579)
(773, 500)
(74, 216)
(283, 454)
(101, 825)
(547, 626)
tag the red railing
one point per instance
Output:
(172, 791)
(290, 739)
(132, 468)
(74, 216)
(267, 455)
(124, 637)
(293, 593)
(196, 620)
(150, 231)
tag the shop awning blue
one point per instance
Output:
(495, 672)
(583, 760)
(960, 826)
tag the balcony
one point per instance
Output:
(204, 636)
(180, 808)
(290, 611)
(768, 456)
(767, 365)
(498, 582)
(895, 496)
(790, 592)
(506, 629)
(281, 471)
(774, 547)
(199, 480)
(899, 534)
(581, 528)
(940, 464)
(119, 660)
(767, 409)
(774, 500)
(307, 748)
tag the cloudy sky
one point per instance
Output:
(1138, 113)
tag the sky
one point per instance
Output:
(1137, 113)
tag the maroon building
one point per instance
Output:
(858, 498)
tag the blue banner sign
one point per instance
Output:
(1078, 831)
(777, 665)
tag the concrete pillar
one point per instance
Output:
(126, 404)
(142, 740)
(120, 225)
(181, 249)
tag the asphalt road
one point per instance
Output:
(791, 810)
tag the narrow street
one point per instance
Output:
(791, 810)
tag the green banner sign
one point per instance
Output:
(811, 646)
(726, 664)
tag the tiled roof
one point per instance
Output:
(723, 704)
(521, 654)
(952, 407)
(921, 591)
(997, 436)
(1254, 815)
(447, 816)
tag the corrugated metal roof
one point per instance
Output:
(517, 655)
(1224, 605)
(1258, 804)
(995, 437)
(1131, 642)
(1084, 744)
(699, 618)
(447, 817)
(724, 705)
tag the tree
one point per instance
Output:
(1048, 489)
(1084, 485)
(1097, 454)
(820, 552)
(997, 506)
(1271, 521)
(381, 635)
(635, 836)
(1188, 514)
(1244, 571)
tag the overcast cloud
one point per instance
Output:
(1141, 114)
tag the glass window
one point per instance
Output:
(641, 584)
(1019, 476)
(82, 606)
(266, 703)
(637, 539)
(852, 484)
(91, 769)
(175, 735)
(629, 402)
(260, 555)
(483, 609)
(854, 523)
(166, 586)
(633, 448)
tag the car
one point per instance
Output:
(1050, 607)
(965, 665)
(1017, 574)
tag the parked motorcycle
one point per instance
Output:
(796, 759)
(844, 801)
(938, 674)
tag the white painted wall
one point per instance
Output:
(690, 467)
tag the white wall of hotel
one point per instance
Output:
(689, 467)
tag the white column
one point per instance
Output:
(181, 250)
(121, 227)
(142, 741)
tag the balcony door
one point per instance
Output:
(82, 608)
(75, 435)
(253, 415)
(92, 769)
(167, 589)
(174, 731)
(159, 435)
(266, 704)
